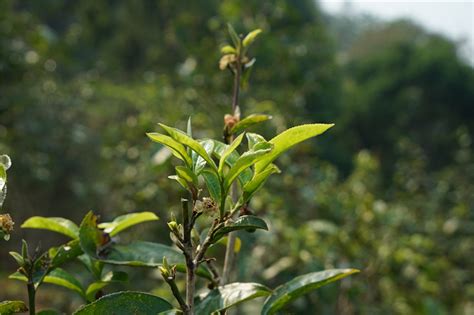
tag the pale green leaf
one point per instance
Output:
(176, 148)
(186, 174)
(250, 38)
(219, 148)
(289, 138)
(301, 285)
(184, 139)
(229, 295)
(257, 182)
(248, 122)
(55, 224)
(125, 221)
(228, 49)
(228, 150)
(126, 303)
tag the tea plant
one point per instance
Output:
(220, 179)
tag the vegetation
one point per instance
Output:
(388, 190)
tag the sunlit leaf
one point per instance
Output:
(228, 150)
(12, 307)
(198, 162)
(257, 182)
(126, 303)
(59, 225)
(289, 138)
(229, 295)
(125, 221)
(184, 139)
(249, 121)
(219, 148)
(186, 174)
(250, 38)
(176, 148)
(301, 285)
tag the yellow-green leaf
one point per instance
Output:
(250, 38)
(59, 225)
(176, 148)
(125, 221)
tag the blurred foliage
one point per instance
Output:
(389, 190)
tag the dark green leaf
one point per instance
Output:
(125, 221)
(147, 254)
(126, 303)
(242, 223)
(233, 35)
(48, 312)
(64, 253)
(110, 277)
(12, 307)
(249, 121)
(289, 138)
(229, 295)
(301, 285)
(91, 238)
(59, 225)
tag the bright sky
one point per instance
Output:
(452, 18)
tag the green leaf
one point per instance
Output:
(184, 139)
(213, 184)
(3, 177)
(147, 254)
(250, 38)
(233, 35)
(58, 277)
(176, 148)
(125, 221)
(18, 258)
(245, 161)
(257, 182)
(186, 174)
(110, 277)
(126, 303)
(248, 122)
(198, 162)
(219, 148)
(12, 307)
(242, 223)
(289, 138)
(64, 253)
(59, 225)
(301, 285)
(228, 49)
(229, 149)
(180, 180)
(229, 295)
(90, 237)
(48, 312)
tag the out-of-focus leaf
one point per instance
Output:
(242, 223)
(125, 221)
(93, 288)
(250, 38)
(48, 312)
(233, 35)
(55, 224)
(289, 138)
(184, 139)
(65, 253)
(213, 185)
(229, 149)
(228, 49)
(177, 148)
(301, 285)
(126, 303)
(229, 295)
(57, 276)
(12, 307)
(248, 122)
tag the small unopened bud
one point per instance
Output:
(173, 226)
(230, 121)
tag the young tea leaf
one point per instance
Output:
(248, 122)
(289, 138)
(229, 149)
(242, 223)
(12, 307)
(176, 148)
